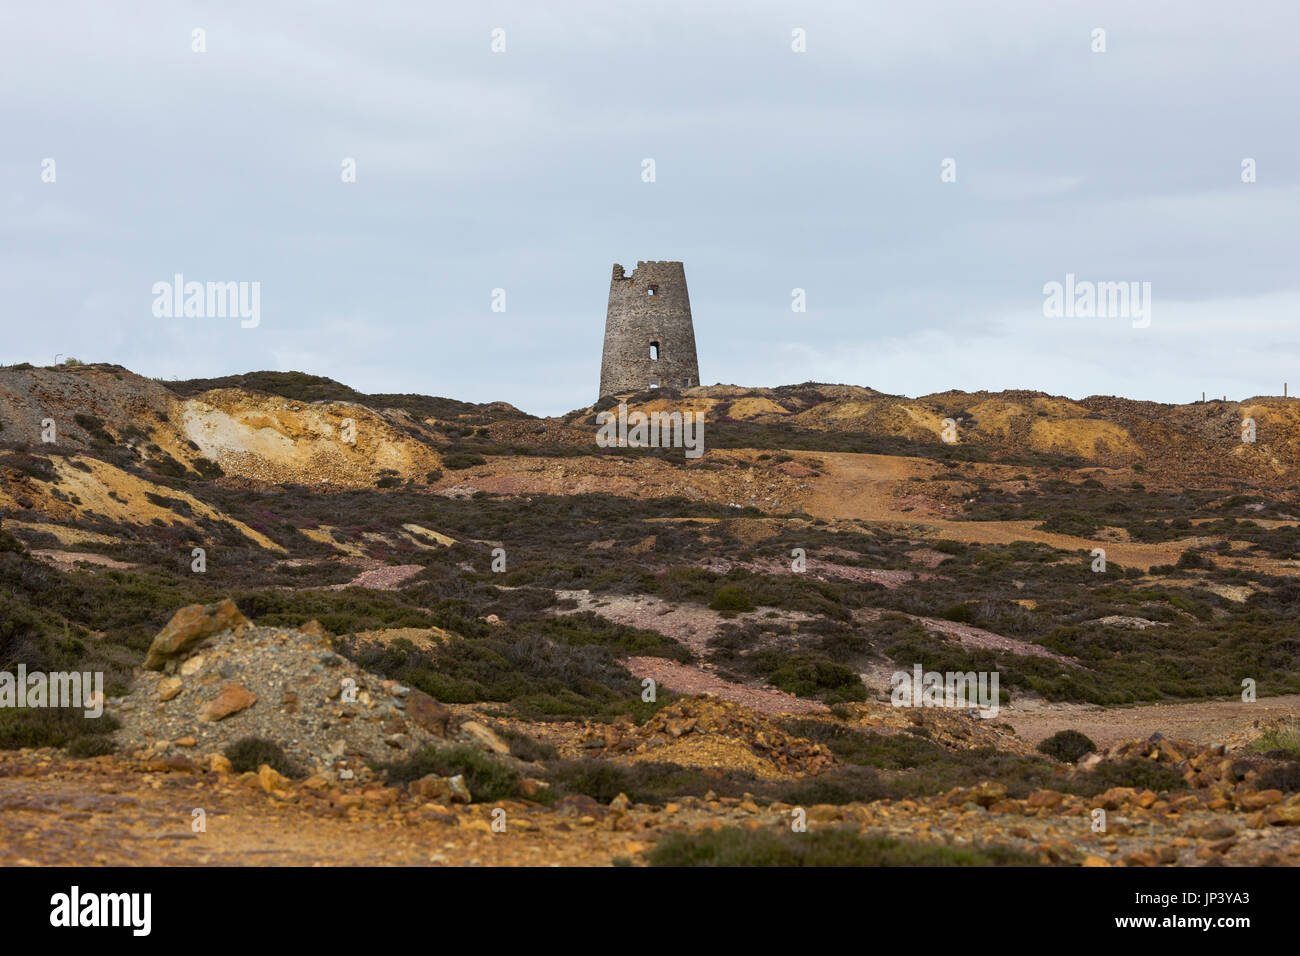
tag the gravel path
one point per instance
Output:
(688, 679)
(689, 624)
(1205, 722)
(969, 636)
(381, 579)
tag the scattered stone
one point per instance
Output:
(984, 795)
(1215, 831)
(1283, 816)
(702, 730)
(170, 765)
(1260, 799)
(459, 789)
(271, 780)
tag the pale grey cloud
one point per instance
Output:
(775, 170)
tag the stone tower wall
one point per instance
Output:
(636, 318)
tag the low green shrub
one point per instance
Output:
(458, 461)
(1066, 746)
(731, 599)
(1139, 774)
(526, 748)
(732, 846)
(1283, 741)
(806, 675)
(52, 727)
(486, 778)
(248, 754)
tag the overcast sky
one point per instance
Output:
(774, 170)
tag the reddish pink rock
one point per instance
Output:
(231, 700)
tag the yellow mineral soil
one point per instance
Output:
(418, 534)
(325, 535)
(121, 497)
(277, 440)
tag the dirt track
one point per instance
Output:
(1206, 722)
(99, 813)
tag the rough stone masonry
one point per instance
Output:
(649, 336)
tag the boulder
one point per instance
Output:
(620, 804)
(1045, 799)
(984, 794)
(427, 713)
(230, 700)
(459, 789)
(447, 789)
(189, 626)
(1215, 831)
(484, 737)
(1283, 816)
(270, 779)
(1259, 800)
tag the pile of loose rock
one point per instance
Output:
(1228, 782)
(709, 719)
(1201, 766)
(951, 728)
(212, 678)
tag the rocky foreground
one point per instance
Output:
(171, 795)
(109, 811)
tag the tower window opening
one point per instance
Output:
(654, 351)
(653, 290)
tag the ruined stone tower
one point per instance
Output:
(649, 337)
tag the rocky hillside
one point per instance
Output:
(288, 427)
(1183, 441)
(418, 610)
(108, 412)
(102, 445)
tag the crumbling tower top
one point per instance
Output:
(649, 335)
